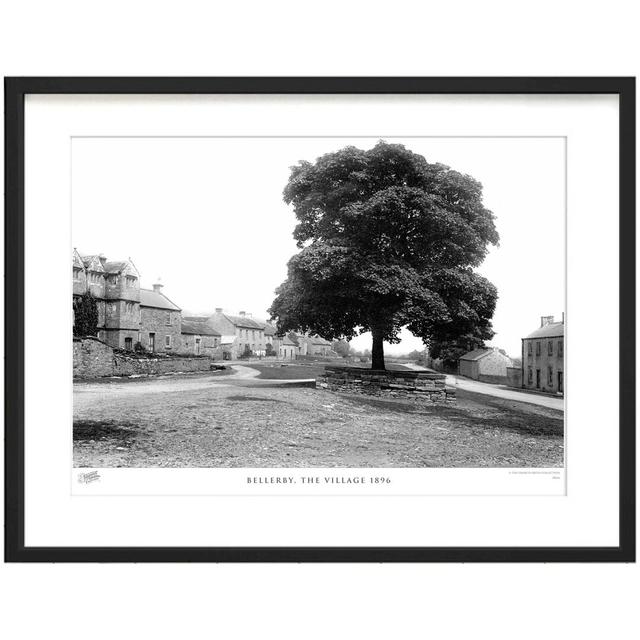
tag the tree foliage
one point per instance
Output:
(341, 347)
(85, 315)
(387, 240)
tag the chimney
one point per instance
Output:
(242, 313)
(545, 320)
(218, 309)
(102, 259)
(158, 285)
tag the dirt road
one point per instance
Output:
(237, 420)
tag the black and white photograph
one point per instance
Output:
(302, 302)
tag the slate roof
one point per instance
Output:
(150, 298)
(115, 266)
(269, 329)
(476, 354)
(551, 330)
(194, 327)
(243, 321)
(320, 341)
(289, 342)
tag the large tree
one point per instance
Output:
(387, 241)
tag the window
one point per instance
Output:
(550, 347)
(530, 348)
(128, 344)
(167, 342)
(550, 376)
(560, 348)
(538, 348)
(167, 319)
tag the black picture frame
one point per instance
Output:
(15, 91)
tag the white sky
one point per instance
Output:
(207, 216)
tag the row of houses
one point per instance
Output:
(541, 365)
(132, 317)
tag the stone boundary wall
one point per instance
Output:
(483, 377)
(308, 358)
(93, 358)
(421, 386)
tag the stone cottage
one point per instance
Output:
(239, 333)
(199, 339)
(314, 345)
(486, 365)
(287, 349)
(543, 357)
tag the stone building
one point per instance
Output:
(127, 313)
(271, 340)
(543, 357)
(314, 345)
(199, 339)
(487, 365)
(239, 333)
(160, 321)
(287, 349)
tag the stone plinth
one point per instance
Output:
(421, 386)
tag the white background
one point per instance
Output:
(372, 38)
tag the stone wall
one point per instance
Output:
(421, 386)
(316, 358)
(92, 358)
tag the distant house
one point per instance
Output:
(238, 333)
(487, 365)
(199, 339)
(288, 349)
(271, 340)
(314, 345)
(543, 357)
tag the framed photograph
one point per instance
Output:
(320, 319)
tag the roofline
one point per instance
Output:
(177, 308)
(152, 306)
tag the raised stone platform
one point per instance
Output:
(421, 386)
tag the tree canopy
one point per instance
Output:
(387, 240)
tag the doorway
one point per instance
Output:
(537, 378)
(152, 342)
(560, 381)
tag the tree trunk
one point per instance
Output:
(377, 351)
